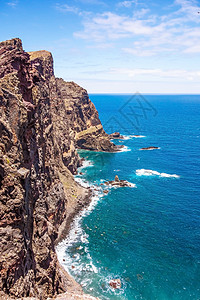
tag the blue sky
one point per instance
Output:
(113, 46)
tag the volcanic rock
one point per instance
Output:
(116, 135)
(150, 148)
(43, 120)
(116, 178)
(119, 183)
(115, 283)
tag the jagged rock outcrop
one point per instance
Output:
(42, 121)
(119, 183)
(84, 118)
(116, 135)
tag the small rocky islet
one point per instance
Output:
(119, 183)
(150, 148)
(116, 135)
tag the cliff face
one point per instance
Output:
(43, 120)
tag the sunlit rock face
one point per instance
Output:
(43, 120)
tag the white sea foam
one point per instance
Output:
(78, 236)
(125, 149)
(82, 182)
(169, 175)
(86, 164)
(145, 172)
(104, 281)
(73, 252)
(150, 149)
(138, 136)
(127, 137)
(132, 185)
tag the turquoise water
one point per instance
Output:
(148, 236)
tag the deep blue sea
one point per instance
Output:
(148, 236)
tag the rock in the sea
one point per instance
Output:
(119, 183)
(116, 178)
(149, 148)
(116, 135)
(115, 283)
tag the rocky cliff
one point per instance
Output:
(43, 120)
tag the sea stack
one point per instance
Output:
(119, 183)
(116, 178)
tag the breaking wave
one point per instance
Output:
(145, 172)
(125, 149)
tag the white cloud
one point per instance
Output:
(139, 52)
(149, 34)
(127, 38)
(109, 25)
(13, 3)
(67, 8)
(141, 13)
(158, 73)
(189, 8)
(193, 49)
(102, 46)
(127, 4)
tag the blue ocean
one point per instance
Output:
(147, 235)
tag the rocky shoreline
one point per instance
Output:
(43, 120)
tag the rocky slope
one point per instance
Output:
(43, 120)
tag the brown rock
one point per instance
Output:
(23, 172)
(149, 148)
(116, 178)
(116, 135)
(115, 283)
(119, 183)
(42, 121)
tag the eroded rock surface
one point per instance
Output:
(119, 183)
(116, 135)
(43, 120)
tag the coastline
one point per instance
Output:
(44, 205)
(72, 230)
(44, 120)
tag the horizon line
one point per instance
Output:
(159, 94)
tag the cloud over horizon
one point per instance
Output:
(147, 34)
(141, 40)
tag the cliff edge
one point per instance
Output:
(43, 120)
